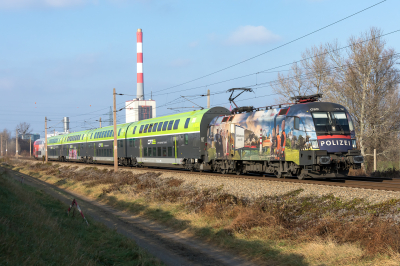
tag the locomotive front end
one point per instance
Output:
(332, 147)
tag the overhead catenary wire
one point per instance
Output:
(304, 76)
(273, 49)
(273, 68)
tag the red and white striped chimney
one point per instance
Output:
(140, 87)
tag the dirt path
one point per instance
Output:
(172, 247)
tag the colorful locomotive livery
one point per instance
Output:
(305, 139)
(278, 134)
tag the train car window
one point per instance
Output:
(186, 139)
(119, 131)
(150, 152)
(145, 152)
(155, 127)
(165, 126)
(145, 128)
(154, 151)
(224, 119)
(159, 151)
(176, 124)
(150, 127)
(170, 124)
(164, 151)
(231, 118)
(141, 129)
(187, 122)
(134, 129)
(297, 123)
(159, 126)
(169, 151)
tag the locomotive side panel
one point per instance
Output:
(256, 136)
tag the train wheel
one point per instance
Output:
(302, 175)
(278, 174)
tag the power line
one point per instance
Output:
(269, 70)
(273, 49)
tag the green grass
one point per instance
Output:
(35, 230)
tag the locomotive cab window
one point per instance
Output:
(331, 121)
(231, 118)
(187, 122)
(119, 131)
(134, 129)
(225, 119)
(176, 124)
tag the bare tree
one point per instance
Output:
(366, 83)
(6, 134)
(363, 78)
(293, 84)
(24, 128)
(309, 76)
(317, 68)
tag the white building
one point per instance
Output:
(137, 110)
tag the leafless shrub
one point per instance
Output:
(391, 173)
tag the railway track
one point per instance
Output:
(387, 184)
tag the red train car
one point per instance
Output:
(38, 149)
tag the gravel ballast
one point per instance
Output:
(253, 188)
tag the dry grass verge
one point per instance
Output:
(348, 232)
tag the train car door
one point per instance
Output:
(141, 149)
(175, 149)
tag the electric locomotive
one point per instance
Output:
(304, 139)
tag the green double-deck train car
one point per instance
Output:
(163, 141)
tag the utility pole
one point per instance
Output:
(100, 122)
(45, 137)
(374, 160)
(16, 144)
(115, 134)
(30, 146)
(208, 98)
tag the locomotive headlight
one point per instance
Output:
(325, 160)
(358, 159)
(314, 144)
(354, 143)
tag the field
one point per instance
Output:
(35, 230)
(272, 230)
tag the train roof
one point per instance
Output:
(194, 125)
(316, 106)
